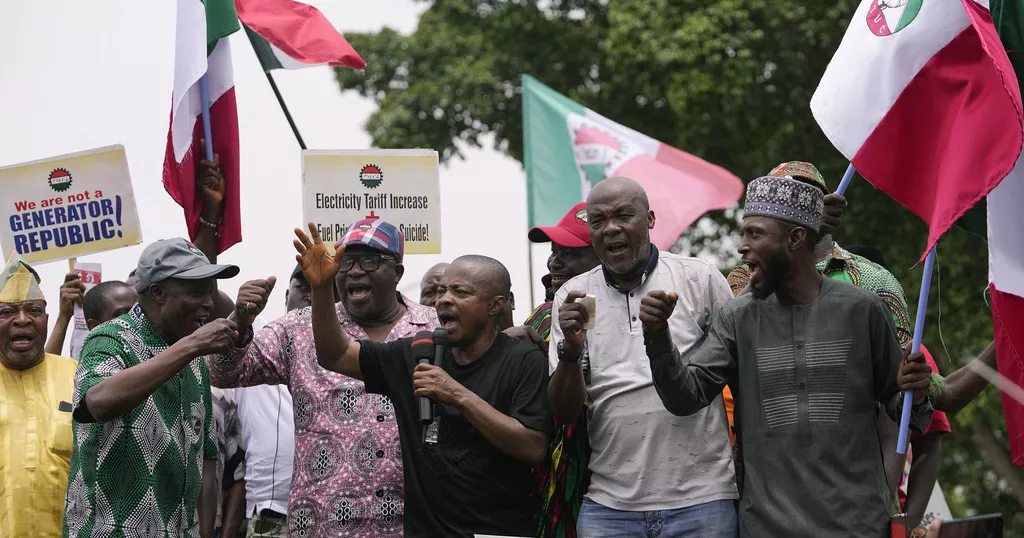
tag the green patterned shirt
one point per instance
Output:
(139, 474)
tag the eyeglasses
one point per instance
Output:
(368, 263)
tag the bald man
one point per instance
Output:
(646, 463)
(470, 470)
(429, 283)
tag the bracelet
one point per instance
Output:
(214, 227)
(563, 357)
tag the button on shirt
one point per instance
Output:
(35, 446)
(347, 478)
(643, 457)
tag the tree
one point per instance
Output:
(727, 80)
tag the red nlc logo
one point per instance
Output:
(886, 17)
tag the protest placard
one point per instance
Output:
(92, 274)
(68, 206)
(398, 186)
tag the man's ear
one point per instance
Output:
(797, 238)
(650, 219)
(399, 270)
(158, 293)
(497, 305)
(91, 323)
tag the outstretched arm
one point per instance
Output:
(334, 350)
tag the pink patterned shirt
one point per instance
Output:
(347, 476)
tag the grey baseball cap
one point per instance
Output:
(176, 258)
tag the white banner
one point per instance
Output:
(68, 206)
(399, 186)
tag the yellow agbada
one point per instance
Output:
(35, 447)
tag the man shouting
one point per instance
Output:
(806, 357)
(470, 472)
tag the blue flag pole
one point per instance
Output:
(922, 307)
(847, 178)
(204, 96)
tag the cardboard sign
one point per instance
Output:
(92, 274)
(398, 186)
(68, 206)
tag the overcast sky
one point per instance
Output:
(79, 75)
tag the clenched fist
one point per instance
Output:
(215, 338)
(655, 309)
(252, 299)
(572, 316)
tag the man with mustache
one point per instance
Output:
(145, 451)
(563, 477)
(468, 472)
(650, 469)
(35, 396)
(807, 357)
(347, 476)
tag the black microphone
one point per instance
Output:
(440, 342)
(422, 345)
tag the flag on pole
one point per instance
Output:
(922, 99)
(201, 47)
(569, 148)
(1006, 250)
(292, 35)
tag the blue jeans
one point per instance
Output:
(716, 519)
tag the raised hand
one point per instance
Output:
(655, 309)
(572, 316)
(832, 213)
(210, 180)
(317, 264)
(214, 338)
(71, 293)
(252, 299)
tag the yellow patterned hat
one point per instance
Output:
(19, 282)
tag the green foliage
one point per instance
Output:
(727, 80)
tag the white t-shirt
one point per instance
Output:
(268, 435)
(644, 458)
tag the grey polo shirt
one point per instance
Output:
(643, 457)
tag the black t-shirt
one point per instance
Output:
(462, 485)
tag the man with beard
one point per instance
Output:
(144, 442)
(469, 472)
(428, 285)
(35, 391)
(806, 357)
(348, 464)
(650, 469)
(563, 477)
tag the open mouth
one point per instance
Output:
(22, 342)
(616, 248)
(448, 319)
(359, 292)
(755, 271)
(558, 280)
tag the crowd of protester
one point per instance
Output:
(684, 403)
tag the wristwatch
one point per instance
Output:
(565, 357)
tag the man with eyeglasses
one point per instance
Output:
(347, 475)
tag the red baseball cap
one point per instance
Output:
(572, 231)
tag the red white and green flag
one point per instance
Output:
(293, 35)
(201, 47)
(1005, 248)
(568, 148)
(921, 98)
